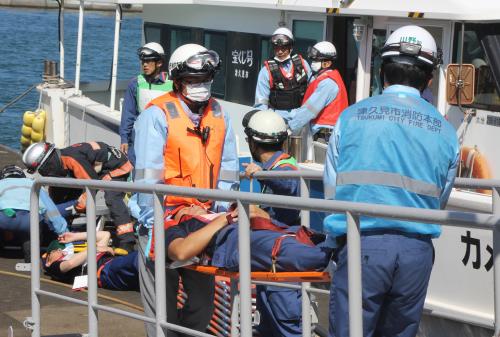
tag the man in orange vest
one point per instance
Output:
(325, 97)
(183, 138)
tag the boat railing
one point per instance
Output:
(243, 199)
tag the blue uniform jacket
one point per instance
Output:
(283, 186)
(151, 132)
(15, 194)
(393, 149)
(129, 111)
(325, 93)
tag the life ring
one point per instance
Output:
(473, 164)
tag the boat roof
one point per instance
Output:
(459, 10)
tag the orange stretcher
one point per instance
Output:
(297, 276)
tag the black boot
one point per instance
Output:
(126, 241)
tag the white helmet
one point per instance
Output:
(265, 126)
(151, 51)
(323, 50)
(411, 45)
(193, 60)
(36, 155)
(282, 37)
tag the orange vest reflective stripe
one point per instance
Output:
(189, 162)
(330, 113)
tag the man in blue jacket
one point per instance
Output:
(151, 83)
(15, 205)
(393, 149)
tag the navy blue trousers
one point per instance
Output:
(121, 273)
(395, 274)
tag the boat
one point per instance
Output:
(466, 89)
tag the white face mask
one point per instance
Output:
(198, 92)
(316, 66)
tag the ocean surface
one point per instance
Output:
(30, 36)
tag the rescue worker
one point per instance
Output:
(151, 83)
(93, 160)
(282, 82)
(15, 190)
(183, 138)
(266, 130)
(393, 149)
(326, 95)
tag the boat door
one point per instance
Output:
(376, 37)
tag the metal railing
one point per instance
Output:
(244, 199)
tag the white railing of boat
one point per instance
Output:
(244, 199)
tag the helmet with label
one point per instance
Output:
(36, 155)
(193, 60)
(12, 171)
(151, 51)
(282, 37)
(265, 126)
(321, 51)
(411, 45)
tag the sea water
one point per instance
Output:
(30, 36)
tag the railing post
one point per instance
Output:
(91, 263)
(79, 46)
(160, 277)
(305, 219)
(35, 258)
(114, 70)
(244, 261)
(496, 259)
(354, 275)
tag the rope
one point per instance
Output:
(18, 98)
(105, 297)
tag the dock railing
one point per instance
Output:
(244, 199)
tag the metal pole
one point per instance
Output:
(160, 277)
(235, 306)
(115, 57)
(306, 300)
(61, 42)
(496, 259)
(79, 46)
(35, 258)
(354, 276)
(244, 260)
(92, 264)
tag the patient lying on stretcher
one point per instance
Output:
(213, 238)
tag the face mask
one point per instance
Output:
(316, 66)
(198, 92)
(283, 60)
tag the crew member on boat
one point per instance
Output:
(326, 95)
(92, 160)
(151, 83)
(183, 138)
(393, 149)
(282, 82)
(266, 131)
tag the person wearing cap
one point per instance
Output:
(114, 272)
(392, 149)
(15, 190)
(183, 138)
(326, 95)
(91, 160)
(280, 308)
(282, 82)
(151, 83)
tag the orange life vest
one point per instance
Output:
(330, 113)
(189, 160)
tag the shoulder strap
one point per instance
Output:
(277, 76)
(300, 72)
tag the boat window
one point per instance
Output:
(152, 34)
(307, 33)
(217, 41)
(266, 50)
(481, 50)
(378, 41)
(178, 37)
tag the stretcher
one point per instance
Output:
(225, 318)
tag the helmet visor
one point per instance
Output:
(147, 54)
(315, 54)
(413, 50)
(204, 60)
(280, 40)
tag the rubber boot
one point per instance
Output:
(126, 241)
